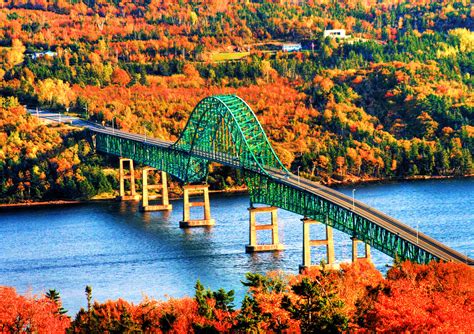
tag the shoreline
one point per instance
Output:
(336, 184)
(339, 184)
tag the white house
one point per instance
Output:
(291, 47)
(37, 55)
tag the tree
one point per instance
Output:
(427, 125)
(55, 92)
(120, 77)
(15, 55)
(20, 314)
(216, 308)
(436, 297)
(318, 306)
(88, 292)
(262, 311)
(267, 71)
(53, 295)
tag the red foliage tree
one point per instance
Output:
(20, 314)
(437, 297)
(120, 77)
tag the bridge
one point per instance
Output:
(225, 130)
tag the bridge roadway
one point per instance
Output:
(423, 241)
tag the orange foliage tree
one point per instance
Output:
(30, 314)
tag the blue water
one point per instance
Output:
(123, 253)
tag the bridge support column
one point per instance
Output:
(131, 195)
(196, 190)
(273, 226)
(308, 243)
(355, 251)
(146, 197)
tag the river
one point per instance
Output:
(123, 253)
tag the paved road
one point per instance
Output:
(413, 236)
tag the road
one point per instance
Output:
(413, 236)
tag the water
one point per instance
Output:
(123, 253)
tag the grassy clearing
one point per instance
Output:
(226, 56)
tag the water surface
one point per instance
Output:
(123, 253)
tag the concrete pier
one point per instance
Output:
(130, 195)
(328, 242)
(199, 189)
(253, 228)
(355, 251)
(149, 193)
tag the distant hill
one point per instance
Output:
(394, 101)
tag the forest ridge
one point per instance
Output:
(394, 100)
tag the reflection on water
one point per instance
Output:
(123, 252)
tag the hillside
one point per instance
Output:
(394, 100)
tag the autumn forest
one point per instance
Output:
(435, 298)
(390, 99)
(394, 100)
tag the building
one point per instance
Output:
(38, 55)
(291, 47)
(336, 33)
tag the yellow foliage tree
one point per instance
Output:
(54, 91)
(267, 70)
(466, 39)
(15, 55)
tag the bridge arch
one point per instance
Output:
(225, 129)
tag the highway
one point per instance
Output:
(394, 226)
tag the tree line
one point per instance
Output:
(436, 298)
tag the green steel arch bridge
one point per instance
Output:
(224, 129)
